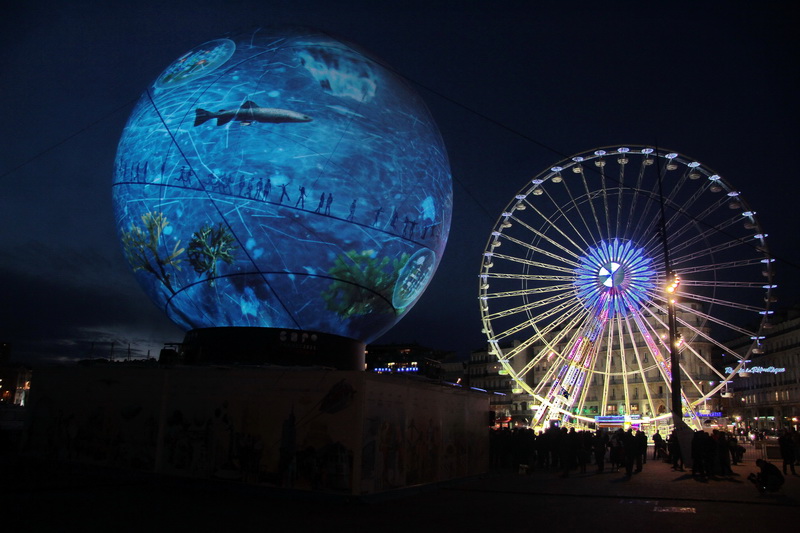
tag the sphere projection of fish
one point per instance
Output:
(318, 197)
(249, 113)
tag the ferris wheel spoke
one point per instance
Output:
(715, 284)
(723, 265)
(527, 277)
(532, 305)
(705, 214)
(550, 240)
(550, 347)
(538, 264)
(589, 196)
(651, 204)
(603, 188)
(684, 209)
(703, 235)
(588, 236)
(654, 343)
(566, 324)
(559, 216)
(685, 295)
(566, 366)
(563, 309)
(547, 383)
(709, 318)
(695, 386)
(710, 251)
(634, 202)
(542, 251)
(641, 369)
(528, 292)
(707, 364)
(620, 203)
(713, 320)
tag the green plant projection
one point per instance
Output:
(141, 248)
(363, 283)
(209, 246)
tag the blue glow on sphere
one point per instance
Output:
(282, 178)
(614, 278)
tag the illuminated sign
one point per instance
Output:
(757, 370)
(616, 419)
(282, 179)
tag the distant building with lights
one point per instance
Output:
(766, 394)
(510, 406)
(410, 359)
(15, 379)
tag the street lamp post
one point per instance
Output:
(674, 351)
(672, 285)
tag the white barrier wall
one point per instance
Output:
(333, 431)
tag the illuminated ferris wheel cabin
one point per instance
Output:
(613, 278)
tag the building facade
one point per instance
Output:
(766, 395)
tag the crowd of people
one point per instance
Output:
(569, 450)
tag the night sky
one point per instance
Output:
(514, 86)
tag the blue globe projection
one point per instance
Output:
(282, 178)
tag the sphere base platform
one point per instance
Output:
(271, 346)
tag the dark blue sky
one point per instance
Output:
(514, 86)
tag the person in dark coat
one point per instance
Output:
(786, 444)
(631, 449)
(699, 466)
(658, 445)
(599, 443)
(674, 448)
(641, 449)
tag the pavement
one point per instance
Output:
(40, 496)
(657, 481)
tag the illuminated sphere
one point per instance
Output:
(282, 179)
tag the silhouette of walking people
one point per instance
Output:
(249, 189)
(302, 200)
(352, 211)
(321, 203)
(328, 203)
(377, 215)
(284, 194)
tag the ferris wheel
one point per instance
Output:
(580, 271)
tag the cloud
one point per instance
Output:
(59, 303)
